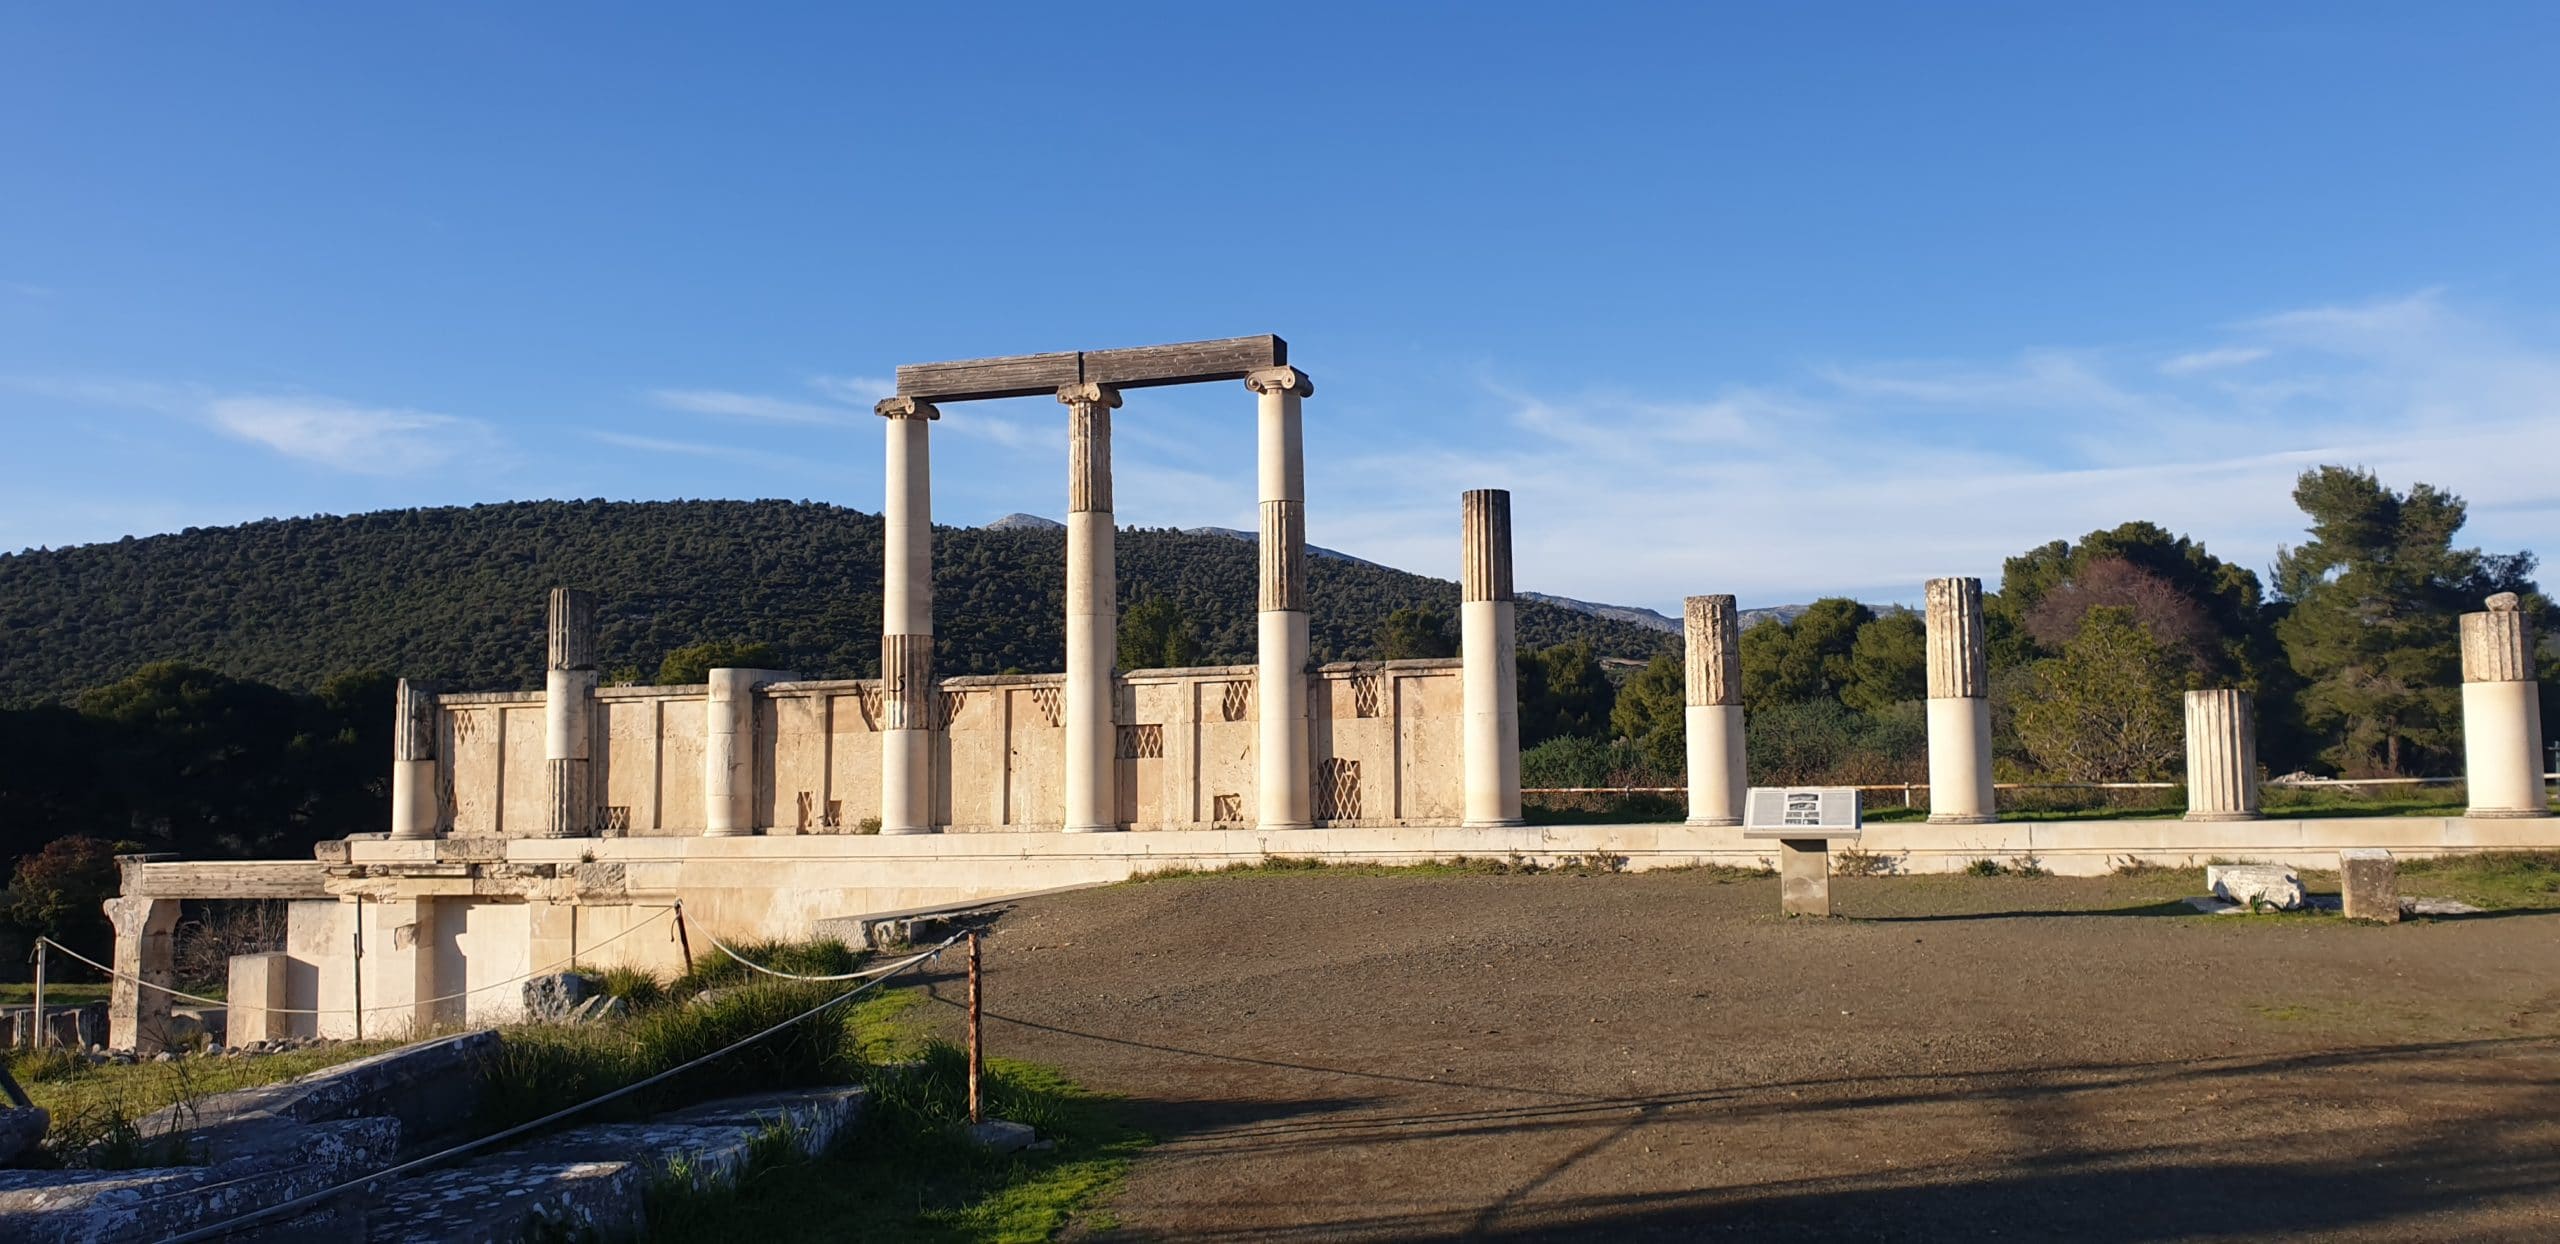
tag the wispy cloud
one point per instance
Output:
(862, 391)
(1869, 478)
(2220, 359)
(746, 406)
(702, 449)
(361, 439)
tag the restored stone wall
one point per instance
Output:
(1383, 737)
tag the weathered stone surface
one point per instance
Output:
(21, 1130)
(428, 1089)
(2437, 907)
(2260, 886)
(2369, 881)
(40, 1207)
(573, 1200)
(554, 999)
(1002, 1135)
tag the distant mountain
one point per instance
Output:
(1023, 522)
(1636, 615)
(455, 595)
(1254, 537)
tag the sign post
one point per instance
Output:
(1804, 820)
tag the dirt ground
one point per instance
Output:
(1660, 1056)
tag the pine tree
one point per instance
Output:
(2374, 594)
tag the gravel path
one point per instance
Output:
(1659, 1056)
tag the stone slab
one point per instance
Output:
(430, 1088)
(2256, 885)
(563, 1200)
(40, 1207)
(1002, 1136)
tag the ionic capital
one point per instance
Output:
(1281, 380)
(1090, 394)
(906, 408)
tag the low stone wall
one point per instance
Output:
(1383, 742)
(481, 914)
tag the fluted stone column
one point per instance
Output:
(729, 754)
(568, 714)
(1488, 642)
(1713, 630)
(1285, 781)
(1092, 611)
(416, 811)
(1959, 705)
(2501, 712)
(906, 623)
(2222, 756)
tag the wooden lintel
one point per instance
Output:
(970, 380)
(231, 879)
(1138, 367)
(1189, 362)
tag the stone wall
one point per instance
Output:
(1383, 739)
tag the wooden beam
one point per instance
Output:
(969, 380)
(1189, 362)
(230, 879)
(1138, 367)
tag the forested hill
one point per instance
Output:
(456, 595)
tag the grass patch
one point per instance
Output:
(2507, 880)
(105, 1104)
(714, 970)
(540, 1069)
(57, 993)
(910, 1174)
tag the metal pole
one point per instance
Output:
(359, 964)
(976, 1048)
(683, 941)
(38, 1017)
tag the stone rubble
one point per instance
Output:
(2271, 887)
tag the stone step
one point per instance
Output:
(591, 1180)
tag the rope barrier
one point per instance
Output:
(221, 1229)
(857, 974)
(370, 1010)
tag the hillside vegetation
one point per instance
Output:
(456, 595)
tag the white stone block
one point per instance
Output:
(2256, 885)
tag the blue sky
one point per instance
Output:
(1782, 300)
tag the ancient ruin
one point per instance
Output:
(536, 829)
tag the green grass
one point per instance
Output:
(2497, 880)
(910, 1174)
(104, 1103)
(57, 993)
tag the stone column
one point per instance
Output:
(416, 810)
(1093, 640)
(1959, 705)
(2222, 756)
(138, 1017)
(906, 623)
(1285, 779)
(1489, 677)
(1713, 630)
(729, 754)
(2501, 713)
(568, 714)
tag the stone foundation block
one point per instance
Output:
(2370, 881)
(259, 994)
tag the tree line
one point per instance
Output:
(2350, 652)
